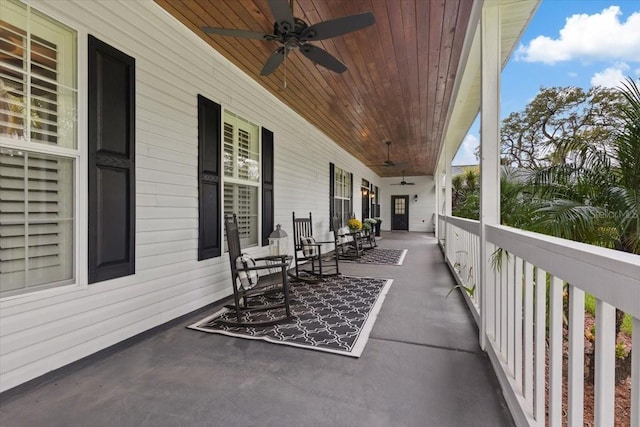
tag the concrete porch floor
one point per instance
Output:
(421, 367)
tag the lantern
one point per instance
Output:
(278, 242)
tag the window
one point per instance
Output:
(343, 195)
(241, 164)
(38, 150)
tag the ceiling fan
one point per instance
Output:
(388, 163)
(403, 182)
(293, 33)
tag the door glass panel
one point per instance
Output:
(399, 206)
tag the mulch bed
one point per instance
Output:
(622, 389)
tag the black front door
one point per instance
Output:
(400, 213)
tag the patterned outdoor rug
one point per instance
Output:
(335, 316)
(380, 256)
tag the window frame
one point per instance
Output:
(339, 195)
(79, 188)
(236, 181)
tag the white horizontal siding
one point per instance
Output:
(420, 212)
(43, 331)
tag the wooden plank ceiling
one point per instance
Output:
(400, 76)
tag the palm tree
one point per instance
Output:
(597, 198)
(625, 197)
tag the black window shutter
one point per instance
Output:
(353, 214)
(209, 200)
(111, 177)
(267, 185)
(332, 192)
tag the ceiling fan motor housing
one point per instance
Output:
(283, 29)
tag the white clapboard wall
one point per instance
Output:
(421, 212)
(45, 330)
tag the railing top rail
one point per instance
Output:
(612, 276)
(470, 225)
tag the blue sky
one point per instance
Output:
(568, 43)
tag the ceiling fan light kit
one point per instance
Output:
(294, 34)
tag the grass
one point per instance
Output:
(590, 307)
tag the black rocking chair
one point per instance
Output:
(350, 244)
(273, 288)
(306, 248)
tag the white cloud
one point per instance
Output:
(466, 152)
(588, 37)
(573, 74)
(610, 77)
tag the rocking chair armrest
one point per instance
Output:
(263, 267)
(281, 258)
(327, 242)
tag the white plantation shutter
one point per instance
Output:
(36, 213)
(228, 149)
(37, 77)
(37, 106)
(242, 175)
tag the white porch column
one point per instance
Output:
(438, 196)
(448, 158)
(489, 150)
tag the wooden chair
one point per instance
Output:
(350, 243)
(306, 248)
(250, 290)
(369, 240)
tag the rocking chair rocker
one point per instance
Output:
(250, 291)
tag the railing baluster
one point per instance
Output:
(518, 321)
(476, 268)
(511, 321)
(528, 333)
(555, 352)
(491, 298)
(635, 374)
(540, 344)
(605, 363)
(503, 308)
(467, 248)
(576, 357)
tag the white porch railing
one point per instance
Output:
(524, 321)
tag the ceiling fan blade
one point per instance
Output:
(323, 58)
(409, 183)
(281, 10)
(336, 27)
(273, 61)
(230, 32)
